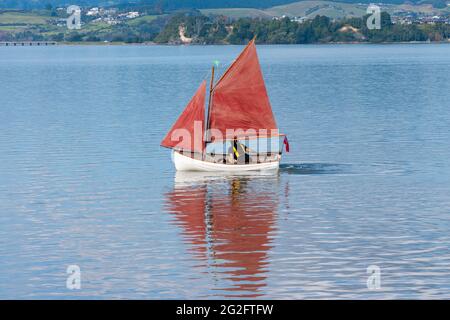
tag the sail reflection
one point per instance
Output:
(228, 223)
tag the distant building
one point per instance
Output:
(129, 15)
(93, 12)
(132, 15)
(279, 18)
(299, 19)
(108, 12)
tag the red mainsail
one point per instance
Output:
(187, 133)
(239, 98)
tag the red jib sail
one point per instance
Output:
(240, 99)
(182, 136)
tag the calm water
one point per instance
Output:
(83, 180)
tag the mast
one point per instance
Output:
(211, 87)
(240, 98)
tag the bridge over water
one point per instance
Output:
(27, 43)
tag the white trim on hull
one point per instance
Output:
(184, 163)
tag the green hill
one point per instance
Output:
(22, 18)
(298, 9)
(238, 12)
(310, 9)
(324, 8)
(170, 5)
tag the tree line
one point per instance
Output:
(321, 29)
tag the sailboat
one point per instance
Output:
(240, 132)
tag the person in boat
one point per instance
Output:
(238, 152)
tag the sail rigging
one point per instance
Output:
(188, 131)
(239, 98)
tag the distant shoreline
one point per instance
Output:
(228, 44)
(98, 43)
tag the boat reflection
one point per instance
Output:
(228, 223)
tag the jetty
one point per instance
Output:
(27, 43)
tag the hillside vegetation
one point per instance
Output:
(320, 22)
(320, 29)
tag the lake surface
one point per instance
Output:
(83, 180)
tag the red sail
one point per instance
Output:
(240, 99)
(187, 132)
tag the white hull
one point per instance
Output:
(184, 163)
